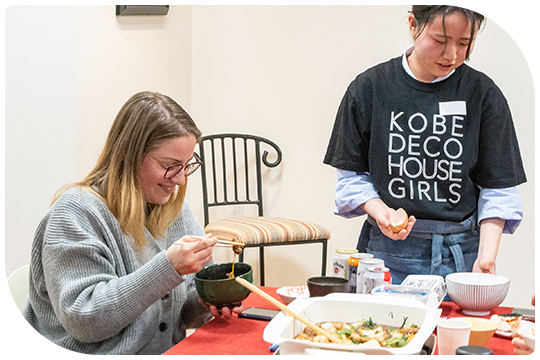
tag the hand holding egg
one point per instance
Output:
(395, 224)
(400, 225)
(399, 221)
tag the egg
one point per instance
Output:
(399, 221)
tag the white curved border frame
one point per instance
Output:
(512, 34)
(28, 327)
(487, 14)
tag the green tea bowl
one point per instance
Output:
(215, 288)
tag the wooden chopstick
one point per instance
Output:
(288, 311)
(232, 243)
(227, 242)
(180, 242)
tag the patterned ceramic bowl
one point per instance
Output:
(477, 294)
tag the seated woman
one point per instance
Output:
(105, 274)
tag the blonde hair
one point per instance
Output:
(141, 125)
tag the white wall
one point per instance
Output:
(69, 69)
(279, 72)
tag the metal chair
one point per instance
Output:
(19, 288)
(238, 156)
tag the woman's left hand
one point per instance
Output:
(225, 313)
(491, 230)
(484, 266)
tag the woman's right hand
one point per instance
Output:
(192, 255)
(383, 214)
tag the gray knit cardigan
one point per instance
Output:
(92, 292)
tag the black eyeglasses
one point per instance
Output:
(172, 171)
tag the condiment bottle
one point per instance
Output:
(362, 266)
(354, 259)
(340, 262)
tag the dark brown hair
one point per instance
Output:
(425, 14)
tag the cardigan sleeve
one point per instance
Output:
(84, 264)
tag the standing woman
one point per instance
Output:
(105, 276)
(429, 134)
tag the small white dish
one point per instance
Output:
(290, 293)
(506, 324)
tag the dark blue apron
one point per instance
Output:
(432, 248)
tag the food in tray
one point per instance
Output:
(363, 333)
(506, 324)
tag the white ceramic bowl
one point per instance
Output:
(476, 293)
(527, 330)
(290, 293)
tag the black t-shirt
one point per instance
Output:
(426, 145)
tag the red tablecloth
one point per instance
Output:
(240, 336)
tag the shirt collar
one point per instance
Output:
(406, 54)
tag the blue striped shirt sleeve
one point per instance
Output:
(501, 203)
(354, 189)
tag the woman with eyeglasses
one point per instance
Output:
(106, 277)
(427, 133)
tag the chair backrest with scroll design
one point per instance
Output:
(229, 177)
(232, 174)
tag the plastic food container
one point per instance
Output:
(427, 297)
(348, 307)
(434, 283)
(429, 289)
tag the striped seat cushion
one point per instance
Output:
(266, 230)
